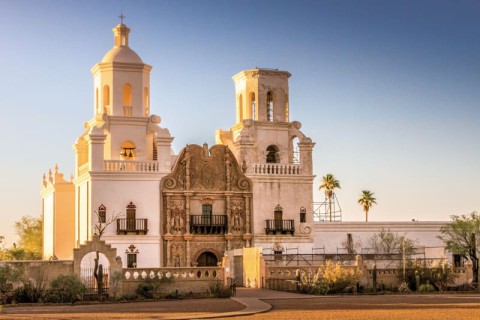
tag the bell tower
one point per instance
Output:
(121, 156)
(275, 155)
(262, 95)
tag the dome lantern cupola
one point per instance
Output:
(121, 79)
(121, 32)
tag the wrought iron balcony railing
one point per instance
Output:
(279, 226)
(214, 224)
(132, 226)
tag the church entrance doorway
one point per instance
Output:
(207, 259)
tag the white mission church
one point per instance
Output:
(254, 188)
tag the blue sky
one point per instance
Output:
(388, 90)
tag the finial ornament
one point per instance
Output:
(121, 16)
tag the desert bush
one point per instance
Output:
(128, 297)
(338, 277)
(145, 289)
(173, 294)
(219, 290)
(439, 276)
(65, 288)
(331, 278)
(427, 287)
(8, 276)
(28, 293)
(462, 287)
(150, 286)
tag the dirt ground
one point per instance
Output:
(394, 307)
(388, 307)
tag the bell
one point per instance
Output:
(130, 155)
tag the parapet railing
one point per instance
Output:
(131, 166)
(173, 274)
(276, 169)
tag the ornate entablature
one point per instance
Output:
(207, 201)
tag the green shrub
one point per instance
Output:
(145, 289)
(219, 290)
(28, 293)
(439, 276)
(65, 288)
(128, 297)
(173, 294)
(426, 288)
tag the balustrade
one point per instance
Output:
(276, 169)
(131, 166)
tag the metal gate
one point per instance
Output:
(88, 278)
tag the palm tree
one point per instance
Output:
(367, 201)
(329, 184)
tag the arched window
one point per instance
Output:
(106, 98)
(127, 95)
(128, 150)
(269, 106)
(287, 110)
(146, 101)
(207, 259)
(96, 100)
(252, 104)
(240, 106)
(155, 155)
(272, 154)
(295, 153)
(303, 214)
(102, 214)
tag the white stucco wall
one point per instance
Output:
(48, 234)
(334, 235)
(115, 193)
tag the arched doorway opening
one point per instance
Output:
(207, 259)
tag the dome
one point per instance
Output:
(122, 54)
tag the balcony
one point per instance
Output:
(132, 226)
(214, 224)
(279, 227)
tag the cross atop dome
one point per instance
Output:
(121, 16)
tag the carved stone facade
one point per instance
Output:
(206, 207)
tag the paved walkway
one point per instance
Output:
(251, 299)
(246, 302)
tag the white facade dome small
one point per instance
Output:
(122, 54)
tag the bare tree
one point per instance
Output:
(387, 242)
(99, 229)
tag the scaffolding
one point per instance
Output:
(321, 210)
